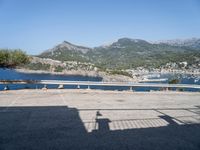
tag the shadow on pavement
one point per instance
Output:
(60, 127)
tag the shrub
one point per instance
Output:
(12, 58)
(59, 69)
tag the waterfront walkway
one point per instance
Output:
(94, 119)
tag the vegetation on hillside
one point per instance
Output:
(119, 72)
(59, 69)
(126, 54)
(65, 55)
(37, 66)
(12, 58)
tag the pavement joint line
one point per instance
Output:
(62, 97)
(65, 103)
(13, 102)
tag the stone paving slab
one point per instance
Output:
(92, 119)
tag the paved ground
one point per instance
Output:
(88, 119)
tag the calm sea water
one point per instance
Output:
(9, 74)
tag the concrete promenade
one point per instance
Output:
(94, 119)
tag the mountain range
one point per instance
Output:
(128, 53)
(192, 43)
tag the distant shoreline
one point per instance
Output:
(54, 73)
(137, 77)
(178, 72)
(105, 77)
(98, 74)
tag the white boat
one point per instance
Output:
(196, 80)
(154, 80)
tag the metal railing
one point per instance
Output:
(92, 83)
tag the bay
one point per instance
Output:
(11, 74)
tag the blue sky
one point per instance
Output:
(36, 25)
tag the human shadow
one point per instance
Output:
(103, 123)
(61, 128)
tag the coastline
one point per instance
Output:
(22, 70)
(166, 71)
(105, 77)
(137, 75)
(89, 70)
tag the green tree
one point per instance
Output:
(4, 57)
(12, 58)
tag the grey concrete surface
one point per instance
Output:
(90, 119)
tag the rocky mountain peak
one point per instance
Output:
(124, 42)
(67, 46)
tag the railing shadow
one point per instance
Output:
(61, 127)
